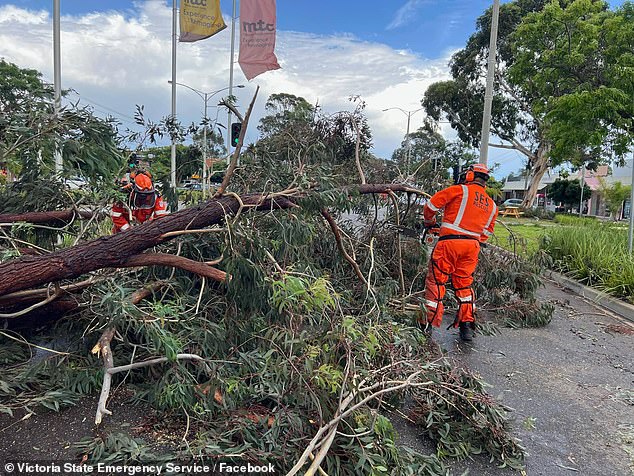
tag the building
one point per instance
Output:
(595, 205)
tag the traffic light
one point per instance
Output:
(236, 127)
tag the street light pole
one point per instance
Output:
(205, 96)
(57, 79)
(488, 94)
(409, 115)
(409, 144)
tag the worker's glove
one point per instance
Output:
(430, 224)
(432, 229)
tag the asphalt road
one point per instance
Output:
(571, 385)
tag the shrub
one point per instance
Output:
(540, 213)
(574, 220)
(594, 253)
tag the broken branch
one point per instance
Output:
(162, 259)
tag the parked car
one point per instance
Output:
(75, 183)
(512, 202)
(192, 185)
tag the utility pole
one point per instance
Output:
(583, 178)
(173, 149)
(57, 79)
(233, 45)
(408, 149)
(206, 99)
(488, 95)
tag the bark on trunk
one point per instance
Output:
(59, 217)
(113, 251)
(540, 167)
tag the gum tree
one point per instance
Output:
(564, 87)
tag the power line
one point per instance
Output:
(95, 103)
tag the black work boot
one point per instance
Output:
(466, 331)
(425, 327)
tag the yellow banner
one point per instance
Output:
(200, 19)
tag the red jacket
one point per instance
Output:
(468, 210)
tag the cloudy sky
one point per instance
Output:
(116, 54)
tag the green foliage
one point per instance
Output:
(30, 133)
(574, 220)
(119, 449)
(467, 422)
(297, 294)
(568, 192)
(594, 253)
(539, 213)
(576, 59)
(615, 194)
(564, 87)
(424, 154)
(508, 283)
(36, 377)
(289, 335)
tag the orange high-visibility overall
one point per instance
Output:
(469, 219)
(120, 215)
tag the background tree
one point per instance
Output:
(568, 192)
(551, 54)
(614, 195)
(30, 132)
(428, 161)
(575, 60)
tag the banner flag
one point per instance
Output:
(257, 37)
(200, 19)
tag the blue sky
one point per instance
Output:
(429, 27)
(116, 54)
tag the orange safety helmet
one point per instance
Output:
(476, 169)
(143, 182)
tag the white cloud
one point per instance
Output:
(405, 14)
(118, 59)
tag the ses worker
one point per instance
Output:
(468, 220)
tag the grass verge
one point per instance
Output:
(595, 254)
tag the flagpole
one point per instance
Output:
(57, 79)
(233, 45)
(173, 149)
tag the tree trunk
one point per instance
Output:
(55, 217)
(111, 251)
(540, 167)
(114, 250)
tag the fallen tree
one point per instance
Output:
(300, 357)
(113, 251)
(53, 217)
